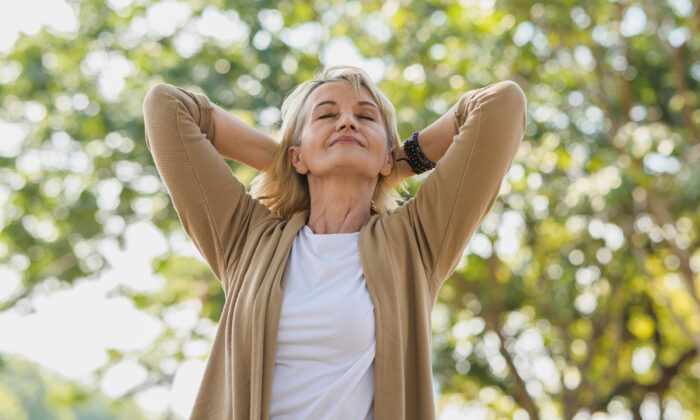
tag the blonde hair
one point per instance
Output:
(286, 192)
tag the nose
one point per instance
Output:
(346, 121)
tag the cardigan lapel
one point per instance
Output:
(388, 400)
(271, 303)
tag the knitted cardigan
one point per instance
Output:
(406, 254)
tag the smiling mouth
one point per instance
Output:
(346, 139)
(345, 142)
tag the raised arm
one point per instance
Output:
(213, 206)
(452, 202)
(433, 141)
(238, 141)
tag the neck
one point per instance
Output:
(339, 204)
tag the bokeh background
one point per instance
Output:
(578, 297)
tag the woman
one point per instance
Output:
(329, 285)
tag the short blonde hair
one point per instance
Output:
(286, 192)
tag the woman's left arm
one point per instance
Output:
(453, 200)
(434, 140)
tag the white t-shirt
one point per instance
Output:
(324, 365)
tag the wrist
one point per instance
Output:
(417, 161)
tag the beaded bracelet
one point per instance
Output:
(416, 159)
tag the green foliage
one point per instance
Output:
(600, 305)
(27, 392)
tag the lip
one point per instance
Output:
(346, 139)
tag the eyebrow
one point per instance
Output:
(335, 103)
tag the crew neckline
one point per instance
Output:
(311, 232)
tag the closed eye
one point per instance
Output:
(332, 115)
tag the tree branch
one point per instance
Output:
(640, 256)
(521, 395)
(678, 67)
(663, 216)
(659, 388)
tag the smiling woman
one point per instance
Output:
(342, 187)
(329, 284)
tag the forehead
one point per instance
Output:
(338, 91)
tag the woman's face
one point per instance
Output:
(333, 110)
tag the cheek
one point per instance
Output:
(379, 136)
(310, 143)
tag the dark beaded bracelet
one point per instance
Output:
(416, 159)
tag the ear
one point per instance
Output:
(388, 163)
(295, 156)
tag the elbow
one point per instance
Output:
(513, 91)
(512, 94)
(156, 95)
(154, 104)
(505, 97)
(513, 98)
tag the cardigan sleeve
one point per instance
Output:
(454, 199)
(213, 206)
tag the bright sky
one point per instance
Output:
(28, 16)
(72, 329)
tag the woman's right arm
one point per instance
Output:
(213, 206)
(238, 141)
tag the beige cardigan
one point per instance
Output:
(406, 254)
